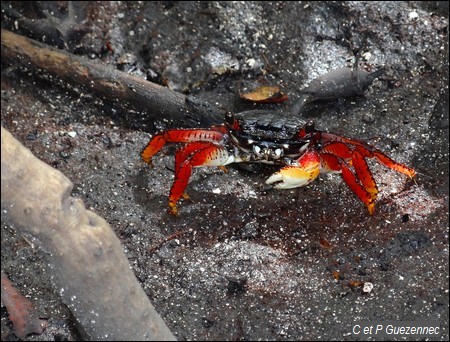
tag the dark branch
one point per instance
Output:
(159, 102)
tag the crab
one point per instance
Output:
(261, 136)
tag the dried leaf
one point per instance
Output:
(355, 283)
(21, 312)
(325, 244)
(265, 94)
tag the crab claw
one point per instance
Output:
(294, 176)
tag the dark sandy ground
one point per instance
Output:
(249, 262)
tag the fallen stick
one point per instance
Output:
(157, 101)
(85, 259)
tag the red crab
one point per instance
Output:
(260, 136)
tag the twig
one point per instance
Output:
(85, 259)
(159, 102)
(173, 236)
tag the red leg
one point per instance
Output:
(360, 181)
(359, 190)
(337, 148)
(192, 155)
(366, 151)
(158, 141)
(364, 174)
(329, 163)
(186, 151)
(349, 155)
(392, 164)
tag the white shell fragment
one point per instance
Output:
(368, 287)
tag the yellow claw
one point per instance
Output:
(297, 175)
(293, 177)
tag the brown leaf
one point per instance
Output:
(265, 94)
(21, 312)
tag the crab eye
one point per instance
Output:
(231, 120)
(309, 127)
(256, 149)
(278, 153)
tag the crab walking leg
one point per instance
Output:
(294, 176)
(208, 154)
(354, 158)
(392, 164)
(359, 190)
(367, 194)
(186, 152)
(368, 151)
(158, 141)
(364, 174)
